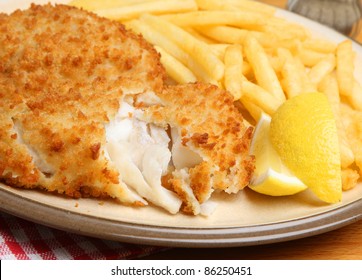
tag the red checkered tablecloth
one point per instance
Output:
(23, 240)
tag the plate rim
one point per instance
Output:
(213, 237)
(233, 236)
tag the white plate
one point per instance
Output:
(243, 219)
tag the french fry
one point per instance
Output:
(345, 67)
(156, 7)
(254, 111)
(273, 46)
(240, 19)
(197, 49)
(219, 50)
(276, 63)
(329, 87)
(225, 34)
(234, 35)
(245, 5)
(262, 69)
(158, 39)
(105, 4)
(349, 179)
(252, 6)
(175, 69)
(291, 73)
(310, 57)
(233, 61)
(199, 36)
(214, 5)
(322, 68)
(257, 95)
(352, 121)
(319, 45)
(248, 72)
(356, 98)
(284, 30)
(307, 85)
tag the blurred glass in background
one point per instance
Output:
(342, 15)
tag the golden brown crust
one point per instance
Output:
(63, 72)
(212, 126)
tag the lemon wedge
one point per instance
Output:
(303, 132)
(271, 176)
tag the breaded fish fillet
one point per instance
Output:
(63, 72)
(85, 112)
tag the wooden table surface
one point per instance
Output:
(341, 244)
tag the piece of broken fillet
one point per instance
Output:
(205, 152)
(165, 136)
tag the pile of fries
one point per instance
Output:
(240, 45)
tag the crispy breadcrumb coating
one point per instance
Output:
(63, 72)
(212, 127)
